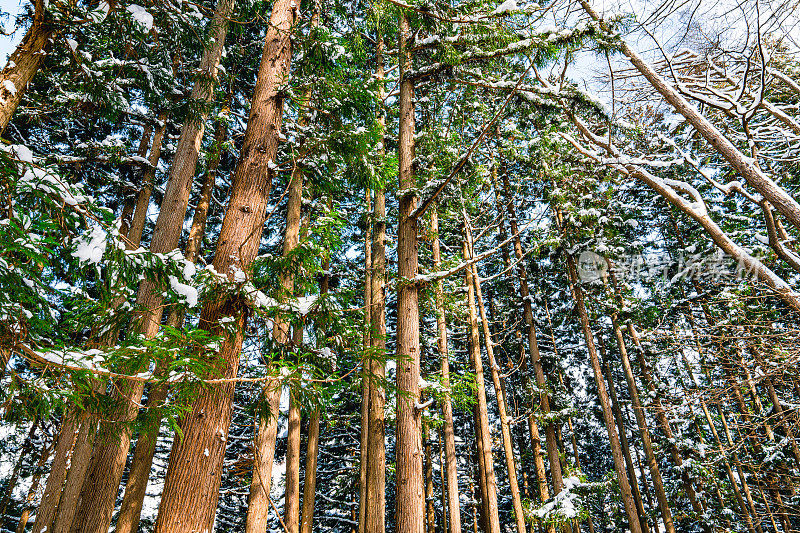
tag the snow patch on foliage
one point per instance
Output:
(92, 245)
(141, 16)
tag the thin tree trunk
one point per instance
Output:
(661, 417)
(430, 514)
(78, 469)
(410, 504)
(291, 512)
(613, 437)
(130, 194)
(191, 487)
(366, 371)
(483, 437)
(24, 63)
(11, 483)
(258, 502)
(508, 446)
(37, 477)
(623, 437)
(310, 483)
(375, 513)
(142, 205)
(533, 345)
(644, 432)
(448, 434)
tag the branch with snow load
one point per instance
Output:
(695, 210)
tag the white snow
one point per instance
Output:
(187, 291)
(92, 245)
(141, 16)
(506, 7)
(9, 86)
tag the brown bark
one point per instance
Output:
(48, 506)
(533, 345)
(375, 513)
(131, 193)
(37, 477)
(139, 218)
(623, 438)
(78, 470)
(101, 484)
(24, 63)
(508, 446)
(258, 502)
(141, 464)
(430, 514)
(661, 417)
(448, 434)
(366, 371)
(483, 437)
(644, 432)
(409, 499)
(191, 488)
(310, 482)
(291, 512)
(613, 437)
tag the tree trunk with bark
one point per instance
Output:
(487, 478)
(448, 433)
(410, 501)
(508, 447)
(613, 436)
(191, 487)
(24, 63)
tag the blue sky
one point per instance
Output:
(8, 11)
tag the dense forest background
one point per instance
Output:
(400, 265)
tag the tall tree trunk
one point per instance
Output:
(508, 446)
(623, 438)
(483, 437)
(80, 461)
(191, 487)
(533, 345)
(24, 63)
(48, 506)
(644, 432)
(144, 451)
(375, 513)
(410, 512)
(430, 513)
(258, 501)
(448, 434)
(366, 371)
(291, 512)
(310, 482)
(613, 437)
(100, 487)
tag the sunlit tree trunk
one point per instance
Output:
(410, 502)
(191, 487)
(24, 62)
